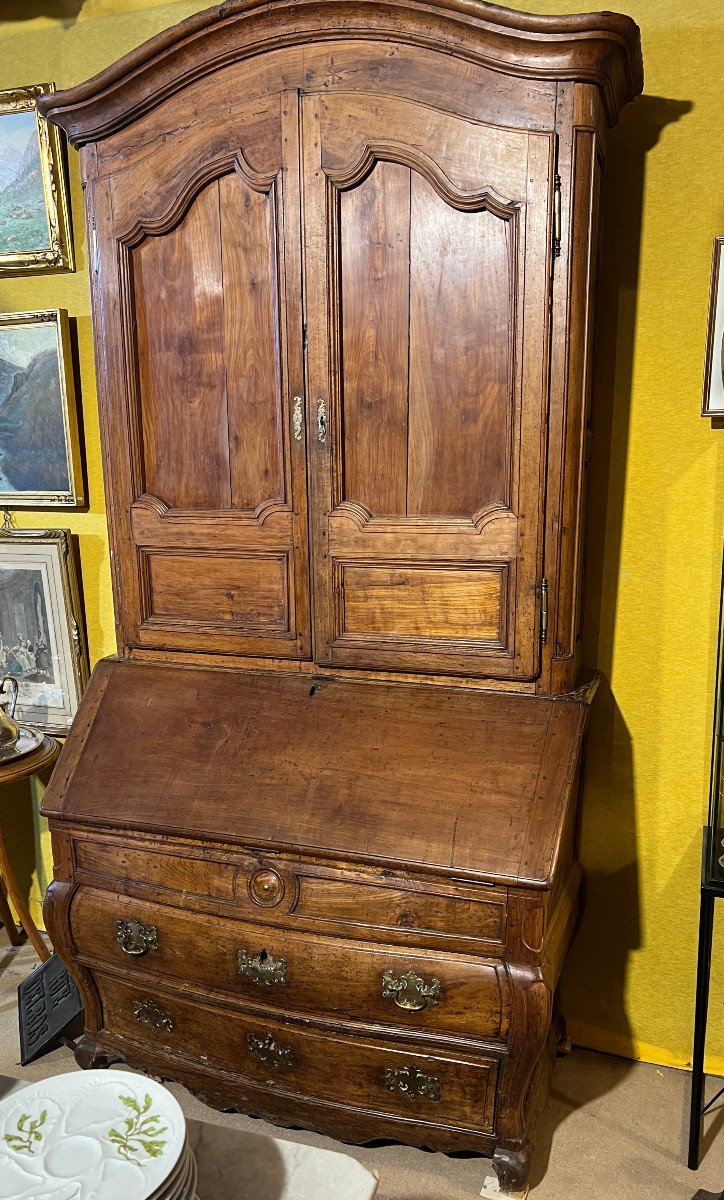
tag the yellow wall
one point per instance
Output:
(656, 509)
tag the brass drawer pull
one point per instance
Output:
(136, 939)
(412, 1083)
(280, 1057)
(410, 991)
(262, 969)
(148, 1012)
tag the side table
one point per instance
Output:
(11, 770)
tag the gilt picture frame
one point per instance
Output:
(35, 227)
(713, 399)
(40, 461)
(42, 638)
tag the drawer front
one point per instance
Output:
(340, 1068)
(292, 971)
(158, 868)
(355, 902)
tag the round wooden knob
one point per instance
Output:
(266, 886)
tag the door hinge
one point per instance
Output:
(557, 216)
(116, 567)
(544, 611)
(95, 261)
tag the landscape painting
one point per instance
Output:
(38, 436)
(23, 217)
(34, 209)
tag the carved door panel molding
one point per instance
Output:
(427, 236)
(199, 245)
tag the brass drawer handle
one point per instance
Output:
(413, 1083)
(409, 991)
(280, 1057)
(148, 1012)
(262, 969)
(136, 939)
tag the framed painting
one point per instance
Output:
(713, 402)
(39, 447)
(35, 232)
(42, 642)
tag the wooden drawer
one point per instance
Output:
(354, 902)
(408, 1082)
(293, 971)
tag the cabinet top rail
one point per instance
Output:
(603, 49)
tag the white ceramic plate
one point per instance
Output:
(97, 1135)
(186, 1187)
(176, 1185)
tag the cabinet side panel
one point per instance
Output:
(581, 168)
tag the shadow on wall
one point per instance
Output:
(25, 10)
(594, 980)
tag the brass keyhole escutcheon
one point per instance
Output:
(262, 969)
(321, 420)
(297, 419)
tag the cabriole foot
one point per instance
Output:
(513, 1167)
(91, 1057)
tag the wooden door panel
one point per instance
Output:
(374, 226)
(218, 588)
(209, 277)
(248, 223)
(426, 234)
(181, 362)
(458, 457)
(418, 602)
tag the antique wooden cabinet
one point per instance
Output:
(315, 826)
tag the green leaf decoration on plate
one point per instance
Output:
(28, 1135)
(142, 1131)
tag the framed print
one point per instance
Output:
(39, 448)
(42, 643)
(713, 402)
(35, 233)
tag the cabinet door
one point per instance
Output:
(199, 308)
(427, 239)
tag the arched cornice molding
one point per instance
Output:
(598, 48)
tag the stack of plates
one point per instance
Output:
(97, 1135)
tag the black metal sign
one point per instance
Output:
(49, 1009)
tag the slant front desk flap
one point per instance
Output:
(447, 778)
